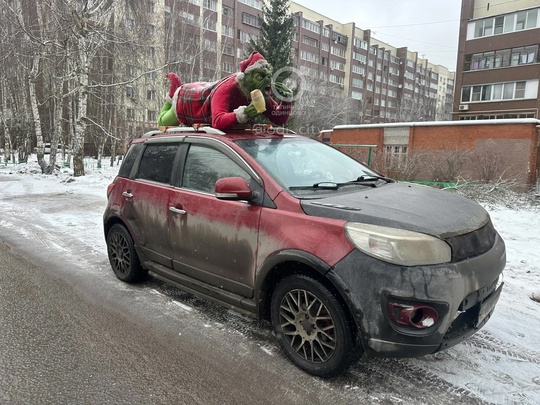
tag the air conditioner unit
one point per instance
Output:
(463, 107)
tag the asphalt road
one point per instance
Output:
(58, 346)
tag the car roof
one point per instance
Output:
(255, 131)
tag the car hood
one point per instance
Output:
(404, 205)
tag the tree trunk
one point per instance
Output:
(35, 111)
(7, 134)
(82, 106)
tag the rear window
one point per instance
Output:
(129, 159)
(157, 162)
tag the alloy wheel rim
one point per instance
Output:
(120, 254)
(308, 326)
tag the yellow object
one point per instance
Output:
(258, 100)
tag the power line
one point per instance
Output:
(411, 25)
(415, 40)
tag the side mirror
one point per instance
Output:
(233, 188)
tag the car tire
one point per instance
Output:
(122, 255)
(312, 326)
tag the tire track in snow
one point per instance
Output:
(484, 340)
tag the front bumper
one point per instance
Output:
(464, 293)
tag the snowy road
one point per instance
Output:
(57, 223)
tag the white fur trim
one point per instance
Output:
(262, 63)
(174, 101)
(240, 113)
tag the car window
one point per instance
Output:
(157, 162)
(129, 159)
(204, 166)
(303, 162)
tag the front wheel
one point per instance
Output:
(312, 326)
(122, 255)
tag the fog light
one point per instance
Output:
(418, 316)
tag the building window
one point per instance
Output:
(210, 4)
(360, 43)
(502, 58)
(356, 95)
(500, 91)
(395, 156)
(131, 70)
(337, 65)
(359, 57)
(151, 95)
(357, 83)
(310, 41)
(336, 79)
(310, 57)
(210, 24)
(151, 116)
(250, 19)
(246, 37)
(227, 31)
(189, 18)
(209, 45)
(227, 67)
(358, 69)
(253, 3)
(502, 24)
(338, 52)
(130, 92)
(311, 26)
(228, 12)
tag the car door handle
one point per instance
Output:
(177, 210)
(127, 194)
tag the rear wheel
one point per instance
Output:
(122, 255)
(312, 326)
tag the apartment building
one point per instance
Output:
(498, 68)
(204, 40)
(389, 83)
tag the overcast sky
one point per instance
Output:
(429, 27)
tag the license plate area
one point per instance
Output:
(486, 307)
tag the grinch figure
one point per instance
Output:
(228, 102)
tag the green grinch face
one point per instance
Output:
(260, 78)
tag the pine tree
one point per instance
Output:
(276, 33)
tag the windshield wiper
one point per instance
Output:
(366, 180)
(323, 185)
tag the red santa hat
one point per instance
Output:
(254, 61)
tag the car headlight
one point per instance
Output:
(398, 246)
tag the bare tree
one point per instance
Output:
(318, 106)
(415, 110)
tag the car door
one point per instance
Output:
(148, 196)
(213, 240)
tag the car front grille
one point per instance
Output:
(472, 244)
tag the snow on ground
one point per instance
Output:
(500, 364)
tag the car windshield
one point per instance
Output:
(307, 165)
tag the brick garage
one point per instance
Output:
(483, 150)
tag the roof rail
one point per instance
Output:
(207, 129)
(152, 133)
(196, 128)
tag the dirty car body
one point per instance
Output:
(343, 261)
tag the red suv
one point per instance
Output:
(343, 261)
